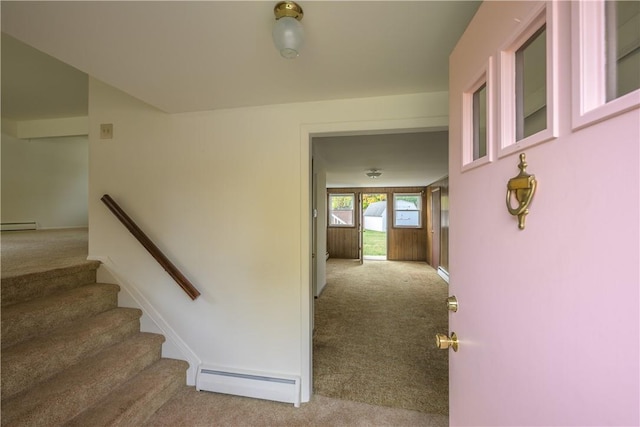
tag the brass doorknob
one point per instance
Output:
(452, 303)
(443, 342)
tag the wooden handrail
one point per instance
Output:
(173, 271)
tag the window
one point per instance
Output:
(477, 118)
(622, 20)
(341, 210)
(606, 72)
(529, 81)
(407, 210)
(480, 122)
(531, 85)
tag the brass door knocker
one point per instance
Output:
(523, 187)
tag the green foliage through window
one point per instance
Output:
(367, 199)
(341, 202)
(341, 210)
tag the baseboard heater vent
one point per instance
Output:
(18, 226)
(280, 388)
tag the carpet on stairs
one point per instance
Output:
(70, 355)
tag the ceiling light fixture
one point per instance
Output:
(373, 173)
(288, 34)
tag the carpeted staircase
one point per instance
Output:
(71, 356)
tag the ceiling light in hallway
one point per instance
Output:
(288, 33)
(373, 173)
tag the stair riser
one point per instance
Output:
(36, 285)
(69, 354)
(140, 412)
(62, 398)
(19, 324)
(142, 397)
(21, 370)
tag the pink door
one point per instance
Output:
(548, 318)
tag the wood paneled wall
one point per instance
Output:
(442, 226)
(403, 244)
(429, 225)
(342, 242)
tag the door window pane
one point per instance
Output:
(531, 85)
(480, 122)
(341, 210)
(606, 44)
(622, 29)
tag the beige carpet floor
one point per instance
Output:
(24, 252)
(33, 251)
(374, 339)
(193, 408)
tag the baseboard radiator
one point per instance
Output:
(280, 388)
(19, 226)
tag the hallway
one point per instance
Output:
(375, 325)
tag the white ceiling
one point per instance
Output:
(404, 159)
(37, 86)
(184, 56)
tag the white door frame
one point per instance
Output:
(307, 132)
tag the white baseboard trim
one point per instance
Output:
(444, 274)
(260, 385)
(321, 290)
(19, 226)
(183, 350)
(32, 226)
(66, 227)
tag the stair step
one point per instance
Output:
(39, 316)
(67, 394)
(33, 361)
(25, 287)
(136, 400)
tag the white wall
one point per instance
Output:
(225, 194)
(45, 180)
(321, 238)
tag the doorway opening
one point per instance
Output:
(323, 172)
(374, 226)
(347, 349)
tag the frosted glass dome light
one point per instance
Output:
(288, 33)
